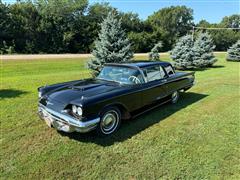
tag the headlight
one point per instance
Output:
(77, 110)
(39, 94)
(74, 109)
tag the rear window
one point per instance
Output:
(170, 71)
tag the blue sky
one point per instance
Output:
(210, 10)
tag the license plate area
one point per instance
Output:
(47, 118)
(54, 122)
(48, 121)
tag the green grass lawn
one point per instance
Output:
(197, 138)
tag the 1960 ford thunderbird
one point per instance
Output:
(120, 91)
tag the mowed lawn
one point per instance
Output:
(197, 138)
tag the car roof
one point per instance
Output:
(141, 64)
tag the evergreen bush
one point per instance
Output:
(203, 51)
(233, 53)
(182, 54)
(111, 46)
(154, 54)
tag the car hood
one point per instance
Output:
(78, 91)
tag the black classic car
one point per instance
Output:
(120, 91)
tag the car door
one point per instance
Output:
(155, 87)
(174, 82)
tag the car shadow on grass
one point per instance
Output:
(132, 127)
(10, 93)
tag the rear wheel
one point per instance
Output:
(110, 121)
(175, 97)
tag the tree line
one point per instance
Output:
(113, 46)
(71, 26)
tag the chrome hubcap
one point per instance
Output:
(109, 122)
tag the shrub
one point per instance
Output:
(154, 54)
(7, 49)
(203, 51)
(182, 54)
(233, 53)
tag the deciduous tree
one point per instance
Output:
(173, 22)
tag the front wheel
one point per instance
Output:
(110, 121)
(175, 97)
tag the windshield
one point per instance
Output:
(121, 74)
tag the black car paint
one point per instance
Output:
(95, 95)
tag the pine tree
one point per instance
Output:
(154, 54)
(182, 53)
(111, 46)
(203, 51)
(234, 52)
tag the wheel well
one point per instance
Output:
(124, 112)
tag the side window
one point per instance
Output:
(162, 72)
(169, 70)
(154, 73)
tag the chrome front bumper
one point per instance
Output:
(65, 122)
